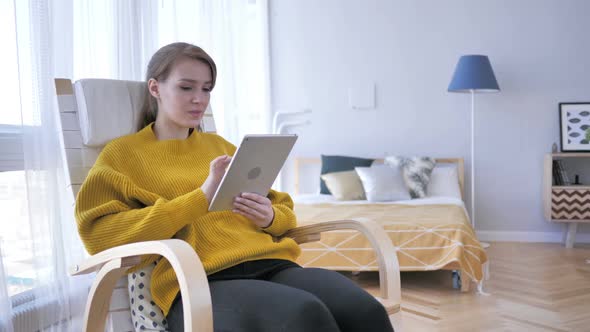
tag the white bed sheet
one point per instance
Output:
(323, 198)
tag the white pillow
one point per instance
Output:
(444, 181)
(383, 183)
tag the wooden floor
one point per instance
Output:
(532, 286)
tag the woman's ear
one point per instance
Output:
(153, 88)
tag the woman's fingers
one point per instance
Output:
(219, 164)
(255, 207)
(256, 214)
(221, 161)
(257, 198)
(261, 204)
(216, 171)
(249, 206)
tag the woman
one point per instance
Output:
(157, 184)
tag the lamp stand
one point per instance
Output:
(483, 244)
(473, 159)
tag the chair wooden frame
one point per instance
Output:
(112, 264)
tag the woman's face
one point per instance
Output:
(184, 95)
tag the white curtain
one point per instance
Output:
(235, 34)
(56, 301)
(5, 303)
(238, 39)
(113, 39)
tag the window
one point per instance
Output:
(15, 237)
(11, 157)
(10, 111)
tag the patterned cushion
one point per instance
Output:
(416, 172)
(145, 314)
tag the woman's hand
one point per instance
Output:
(255, 207)
(216, 171)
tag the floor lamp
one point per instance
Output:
(473, 74)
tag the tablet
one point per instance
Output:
(253, 168)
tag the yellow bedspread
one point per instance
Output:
(426, 237)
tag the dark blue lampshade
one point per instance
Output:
(474, 72)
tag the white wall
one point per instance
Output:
(539, 51)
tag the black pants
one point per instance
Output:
(276, 295)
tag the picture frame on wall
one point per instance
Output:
(574, 126)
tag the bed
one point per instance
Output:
(428, 234)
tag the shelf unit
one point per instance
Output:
(569, 205)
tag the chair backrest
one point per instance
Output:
(93, 112)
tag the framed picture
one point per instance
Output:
(574, 127)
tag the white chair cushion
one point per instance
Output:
(108, 109)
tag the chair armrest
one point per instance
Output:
(389, 277)
(113, 263)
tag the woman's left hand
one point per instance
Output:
(255, 207)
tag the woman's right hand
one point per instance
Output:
(216, 172)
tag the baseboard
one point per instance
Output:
(551, 237)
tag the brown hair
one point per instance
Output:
(159, 68)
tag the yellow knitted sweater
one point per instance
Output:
(143, 189)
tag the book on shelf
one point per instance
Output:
(555, 174)
(566, 179)
(560, 177)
